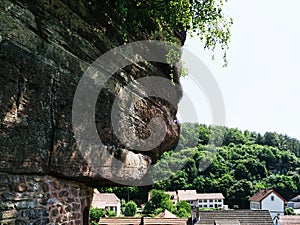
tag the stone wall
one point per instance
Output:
(37, 200)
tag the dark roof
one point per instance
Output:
(262, 194)
(244, 217)
(296, 199)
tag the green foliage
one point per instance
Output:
(242, 164)
(123, 205)
(110, 213)
(130, 209)
(96, 214)
(183, 209)
(239, 194)
(290, 211)
(166, 18)
(126, 193)
(159, 200)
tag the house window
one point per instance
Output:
(254, 205)
(211, 206)
(205, 200)
(220, 200)
(272, 198)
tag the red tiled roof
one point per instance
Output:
(166, 214)
(137, 221)
(262, 194)
(289, 220)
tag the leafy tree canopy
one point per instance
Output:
(242, 164)
(164, 20)
(130, 208)
(159, 200)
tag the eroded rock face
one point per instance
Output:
(45, 47)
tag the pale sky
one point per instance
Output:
(260, 86)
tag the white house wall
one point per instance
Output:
(211, 203)
(275, 207)
(254, 205)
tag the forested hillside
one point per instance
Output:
(240, 163)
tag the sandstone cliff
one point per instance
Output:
(45, 47)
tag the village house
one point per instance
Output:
(189, 196)
(202, 200)
(294, 203)
(268, 200)
(211, 200)
(106, 201)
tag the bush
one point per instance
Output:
(110, 213)
(290, 211)
(183, 209)
(96, 214)
(130, 208)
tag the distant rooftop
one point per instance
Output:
(296, 199)
(166, 214)
(289, 220)
(262, 194)
(137, 221)
(102, 200)
(227, 222)
(210, 196)
(187, 195)
(235, 217)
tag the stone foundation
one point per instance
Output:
(37, 200)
